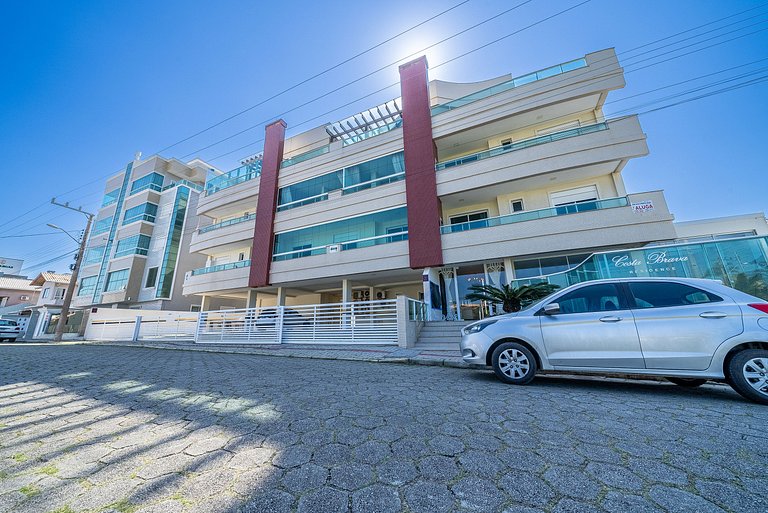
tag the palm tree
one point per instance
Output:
(512, 299)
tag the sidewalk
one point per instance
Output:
(365, 353)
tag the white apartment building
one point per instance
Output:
(448, 186)
(138, 249)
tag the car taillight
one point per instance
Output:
(763, 307)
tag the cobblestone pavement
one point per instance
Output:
(96, 428)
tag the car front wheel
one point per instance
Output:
(748, 372)
(514, 363)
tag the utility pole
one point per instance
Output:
(75, 272)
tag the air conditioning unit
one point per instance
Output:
(333, 248)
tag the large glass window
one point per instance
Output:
(549, 265)
(350, 233)
(143, 212)
(593, 298)
(93, 255)
(110, 198)
(173, 243)
(102, 225)
(151, 277)
(379, 171)
(117, 280)
(135, 245)
(661, 294)
(87, 285)
(309, 191)
(152, 181)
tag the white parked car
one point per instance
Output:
(9, 330)
(688, 330)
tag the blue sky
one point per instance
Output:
(87, 84)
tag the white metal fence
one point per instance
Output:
(362, 322)
(109, 324)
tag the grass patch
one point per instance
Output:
(20, 458)
(180, 498)
(49, 470)
(122, 506)
(29, 490)
(63, 509)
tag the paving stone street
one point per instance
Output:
(140, 430)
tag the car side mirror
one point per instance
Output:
(552, 309)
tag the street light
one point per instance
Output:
(63, 230)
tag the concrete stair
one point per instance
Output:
(441, 335)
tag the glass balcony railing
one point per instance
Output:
(341, 246)
(228, 222)
(232, 178)
(221, 267)
(302, 157)
(194, 186)
(573, 208)
(520, 145)
(510, 84)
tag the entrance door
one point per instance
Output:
(594, 328)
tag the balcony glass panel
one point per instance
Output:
(232, 178)
(302, 157)
(537, 214)
(102, 226)
(351, 233)
(153, 181)
(373, 132)
(228, 222)
(110, 198)
(135, 245)
(117, 280)
(144, 212)
(221, 267)
(519, 145)
(309, 191)
(510, 84)
(194, 186)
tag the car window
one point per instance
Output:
(663, 294)
(7, 323)
(593, 298)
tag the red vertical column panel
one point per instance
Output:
(424, 243)
(264, 231)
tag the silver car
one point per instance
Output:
(688, 330)
(9, 330)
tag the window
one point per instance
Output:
(117, 280)
(398, 232)
(308, 191)
(573, 196)
(59, 293)
(302, 254)
(102, 225)
(93, 255)
(87, 285)
(516, 206)
(143, 212)
(134, 245)
(195, 308)
(506, 143)
(550, 265)
(592, 298)
(151, 277)
(46, 293)
(471, 216)
(661, 294)
(110, 198)
(152, 181)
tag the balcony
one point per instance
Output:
(243, 189)
(218, 277)
(307, 155)
(601, 223)
(231, 231)
(552, 71)
(521, 145)
(342, 246)
(582, 152)
(232, 178)
(530, 215)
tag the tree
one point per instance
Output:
(512, 299)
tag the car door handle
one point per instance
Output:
(712, 315)
(610, 318)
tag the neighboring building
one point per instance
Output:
(138, 250)
(52, 288)
(745, 225)
(17, 292)
(450, 186)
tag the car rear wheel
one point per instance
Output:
(514, 363)
(748, 372)
(687, 382)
